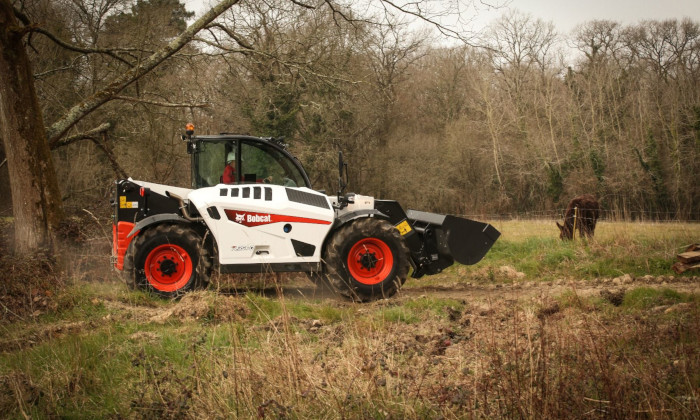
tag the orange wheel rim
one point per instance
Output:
(370, 261)
(168, 268)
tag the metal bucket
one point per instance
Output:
(453, 238)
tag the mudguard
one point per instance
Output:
(357, 214)
(156, 219)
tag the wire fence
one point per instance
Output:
(607, 215)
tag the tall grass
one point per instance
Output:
(106, 352)
(580, 357)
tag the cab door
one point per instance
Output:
(270, 216)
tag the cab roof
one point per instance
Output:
(279, 141)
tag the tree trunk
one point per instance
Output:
(35, 194)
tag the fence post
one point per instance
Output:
(573, 232)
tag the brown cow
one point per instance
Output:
(588, 213)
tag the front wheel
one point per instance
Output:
(170, 260)
(366, 260)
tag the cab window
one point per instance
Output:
(261, 163)
(210, 160)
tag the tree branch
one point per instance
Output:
(21, 16)
(110, 52)
(48, 72)
(31, 27)
(216, 44)
(231, 34)
(160, 103)
(425, 17)
(81, 136)
(121, 173)
(119, 83)
(304, 5)
(301, 67)
(20, 31)
(92, 135)
(344, 16)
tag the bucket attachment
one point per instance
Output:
(448, 238)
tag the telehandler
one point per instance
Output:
(252, 209)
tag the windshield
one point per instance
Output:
(218, 162)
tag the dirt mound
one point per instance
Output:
(510, 273)
(204, 305)
(610, 289)
(36, 336)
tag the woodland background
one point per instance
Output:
(499, 125)
(511, 121)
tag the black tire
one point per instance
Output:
(168, 260)
(366, 260)
(127, 273)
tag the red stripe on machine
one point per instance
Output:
(256, 219)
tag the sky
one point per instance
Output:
(566, 14)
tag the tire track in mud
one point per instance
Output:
(525, 290)
(481, 291)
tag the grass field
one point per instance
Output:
(494, 340)
(534, 248)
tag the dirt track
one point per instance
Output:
(194, 305)
(515, 291)
(524, 290)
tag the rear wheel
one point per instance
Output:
(170, 260)
(366, 260)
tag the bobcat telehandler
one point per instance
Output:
(267, 218)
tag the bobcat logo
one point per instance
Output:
(240, 218)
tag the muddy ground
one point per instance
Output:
(225, 292)
(298, 289)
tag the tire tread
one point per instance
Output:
(135, 278)
(335, 268)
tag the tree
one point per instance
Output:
(37, 205)
(524, 48)
(36, 201)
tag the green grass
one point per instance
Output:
(533, 248)
(316, 310)
(398, 314)
(263, 309)
(646, 298)
(99, 353)
(364, 354)
(83, 372)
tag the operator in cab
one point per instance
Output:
(229, 176)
